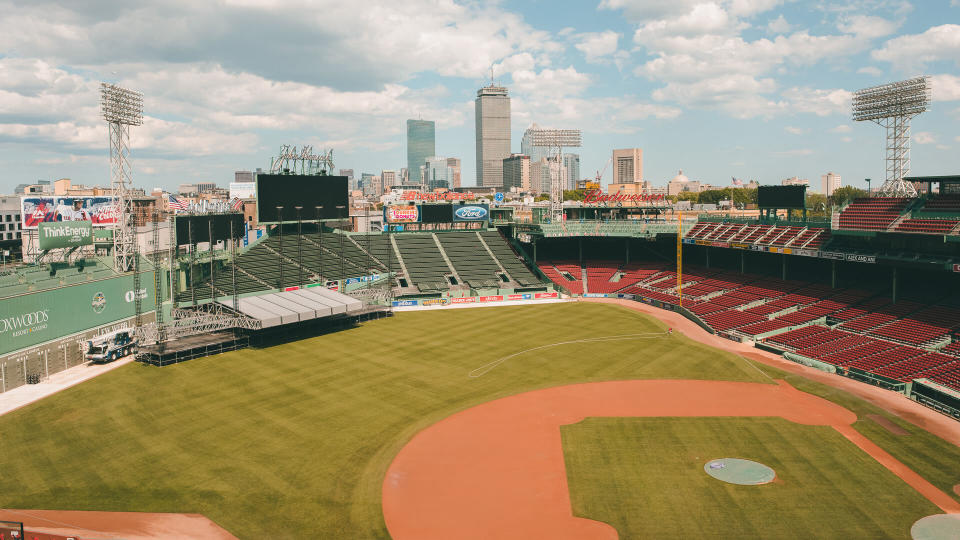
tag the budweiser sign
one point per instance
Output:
(595, 196)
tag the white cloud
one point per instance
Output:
(867, 26)
(842, 128)
(636, 10)
(914, 51)
(942, 147)
(945, 87)
(924, 137)
(338, 45)
(779, 25)
(747, 8)
(818, 101)
(596, 45)
(796, 152)
(870, 70)
(550, 82)
(846, 139)
(795, 130)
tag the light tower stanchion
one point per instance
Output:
(893, 106)
(556, 139)
(121, 108)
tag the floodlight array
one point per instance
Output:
(901, 98)
(120, 105)
(555, 138)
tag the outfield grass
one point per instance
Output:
(294, 440)
(645, 477)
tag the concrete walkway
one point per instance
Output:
(21, 396)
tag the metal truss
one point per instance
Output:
(898, 157)
(556, 139)
(211, 317)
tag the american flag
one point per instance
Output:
(237, 203)
(177, 204)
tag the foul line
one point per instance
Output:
(486, 368)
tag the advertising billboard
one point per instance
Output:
(65, 234)
(306, 191)
(100, 211)
(401, 214)
(471, 212)
(243, 190)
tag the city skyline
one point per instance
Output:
(754, 90)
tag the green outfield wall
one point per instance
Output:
(33, 318)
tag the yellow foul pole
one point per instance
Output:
(680, 257)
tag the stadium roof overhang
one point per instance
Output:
(288, 307)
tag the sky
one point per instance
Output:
(756, 89)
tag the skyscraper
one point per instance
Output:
(454, 164)
(527, 147)
(493, 134)
(627, 166)
(516, 172)
(830, 181)
(571, 166)
(437, 173)
(421, 144)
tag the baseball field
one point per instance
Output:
(296, 440)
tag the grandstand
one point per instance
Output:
(438, 263)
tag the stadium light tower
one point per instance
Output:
(556, 139)
(892, 106)
(121, 109)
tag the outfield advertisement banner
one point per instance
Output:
(473, 212)
(100, 211)
(66, 234)
(545, 295)
(401, 214)
(464, 300)
(404, 303)
(31, 319)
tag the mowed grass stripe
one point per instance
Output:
(302, 434)
(645, 477)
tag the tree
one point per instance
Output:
(845, 194)
(817, 204)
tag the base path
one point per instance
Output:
(940, 425)
(497, 470)
(116, 525)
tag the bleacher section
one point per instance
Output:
(761, 235)
(471, 260)
(331, 256)
(425, 265)
(873, 213)
(511, 262)
(893, 340)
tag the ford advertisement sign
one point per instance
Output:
(473, 212)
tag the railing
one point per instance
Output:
(816, 221)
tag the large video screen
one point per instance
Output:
(782, 196)
(307, 191)
(436, 213)
(197, 228)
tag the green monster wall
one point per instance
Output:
(33, 318)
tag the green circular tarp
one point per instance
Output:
(937, 527)
(739, 471)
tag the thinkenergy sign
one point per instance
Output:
(65, 234)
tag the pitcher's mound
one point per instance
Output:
(740, 471)
(937, 527)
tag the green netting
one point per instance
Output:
(739, 471)
(937, 527)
